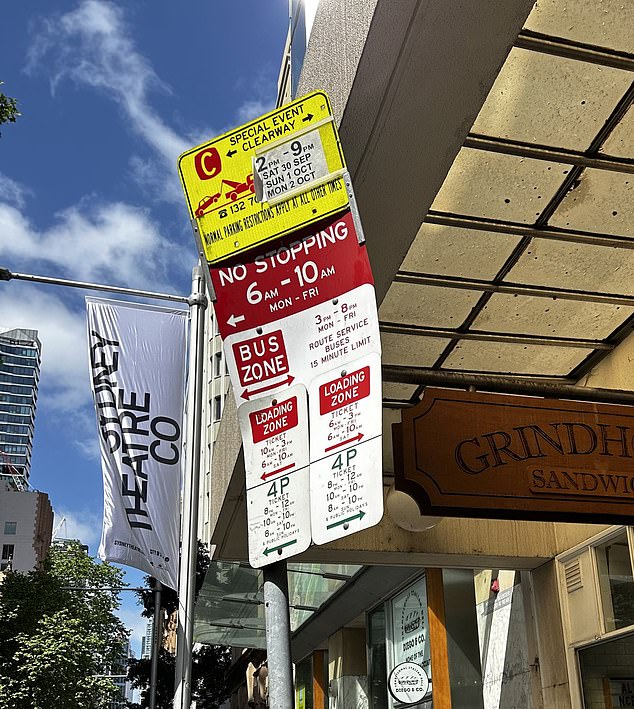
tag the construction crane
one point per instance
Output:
(8, 470)
(58, 526)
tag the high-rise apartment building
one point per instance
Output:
(117, 674)
(146, 640)
(20, 351)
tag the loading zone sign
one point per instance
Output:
(275, 435)
(270, 177)
(346, 456)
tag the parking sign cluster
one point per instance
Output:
(300, 329)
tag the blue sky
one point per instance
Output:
(110, 93)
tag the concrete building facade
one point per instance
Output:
(26, 527)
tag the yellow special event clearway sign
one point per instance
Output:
(298, 162)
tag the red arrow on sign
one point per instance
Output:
(357, 438)
(248, 393)
(266, 476)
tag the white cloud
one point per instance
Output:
(92, 47)
(79, 524)
(155, 180)
(89, 446)
(13, 192)
(64, 382)
(252, 109)
(105, 243)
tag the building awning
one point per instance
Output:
(230, 610)
(523, 264)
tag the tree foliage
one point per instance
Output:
(8, 108)
(209, 662)
(209, 688)
(56, 642)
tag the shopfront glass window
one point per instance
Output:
(377, 662)
(304, 684)
(607, 674)
(616, 582)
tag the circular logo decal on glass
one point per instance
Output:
(408, 683)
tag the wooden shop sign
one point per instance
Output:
(469, 454)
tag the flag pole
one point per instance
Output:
(157, 639)
(189, 517)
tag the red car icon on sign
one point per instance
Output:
(206, 202)
(235, 190)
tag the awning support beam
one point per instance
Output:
(504, 385)
(431, 279)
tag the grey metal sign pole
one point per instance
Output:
(278, 636)
(189, 523)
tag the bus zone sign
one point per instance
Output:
(265, 179)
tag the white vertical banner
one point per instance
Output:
(138, 360)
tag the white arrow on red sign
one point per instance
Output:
(233, 320)
(250, 393)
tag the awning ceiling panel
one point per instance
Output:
(453, 251)
(545, 316)
(504, 358)
(602, 201)
(550, 100)
(411, 350)
(575, 266)
(433, 306)
(498, 186)
(605, 23)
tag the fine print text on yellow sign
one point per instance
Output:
(298, 162)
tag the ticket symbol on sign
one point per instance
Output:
(344, 390)
(274, 419)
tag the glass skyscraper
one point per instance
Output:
(20, 353)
